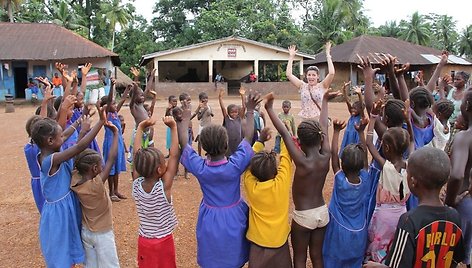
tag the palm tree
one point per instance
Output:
(444, 28)
(390, 29)
(66, 18)
(8, 5)
(115, 13)
(465, 43)
(416, 30)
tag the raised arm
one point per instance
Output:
(362, 142)
(113, 151)
(370, 141)
(358, 91)
(345, 90)
(85, 70)
(138, 140)
(242, 111)
(329, 78)
(135, 71)
(437, 72)
(182, 128)
(48, 96)
(110, 93)
(174, 156)
(222, 105)
(338, 125)
(150, 83)
(65, 107)
(153, 102)
(292, 51)
(407, 117)
(75, 82)
(123, 98)
(324, 120)
(369, 74)
(459, 159)
(252, 101)
(296, 154)
(400, 75)
(389, 62)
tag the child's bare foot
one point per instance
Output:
(186, 176)
(115, 198)
(120, 196)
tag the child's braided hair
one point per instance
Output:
(397, 138)
(445, 107)
(86, 159)
(146, 161)
(264, 165)
(43, 129)
(214, 139)
(393, 111)
(310, 133)
(31, 121)
(352, 158)
(421, 97)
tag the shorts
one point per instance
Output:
(270, 257)
(156, 252)
(100, 248)
(312, 218)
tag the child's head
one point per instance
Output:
(122, 122)
(80, 100)
(51, 112)
(428, 169)
(172, 100)
(150, 162)
(352, 159)
(31, 121)
(47, 133)
(395, 142)
(393, 113)
(203, 97)
(466, 106)
(139, 98)
(356, 108)
(420, 99)
(264, 165)
(443, 109)
(111, 106)
(286, 106)
(177, 113)
(214, 140)
(30, 80)
(233, 111)
(184, 99)
(460, 79)
(88, 161)
(460, 123)
(310, 133)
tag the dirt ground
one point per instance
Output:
(20, 218)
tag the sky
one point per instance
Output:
(381, 11)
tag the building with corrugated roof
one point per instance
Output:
(28, 50)
(345, 59)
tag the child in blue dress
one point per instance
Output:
(357, 112)
(172, 103)
(120, 163)
(346, 234)
(59, 227)
(223, 214)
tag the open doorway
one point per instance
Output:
(20, 75)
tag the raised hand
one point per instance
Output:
(331, 94)
(362, 124)
(401, 70)
(103, 112)
(266, 134)
(69, 101)
(377, 107)
(444, 58)
(68, 77)
(328, 48)
(73, 74)
(85, 70)
(169, 121)
(253, 100)
(48, 93)
(269, 100)
(406, 110)
(292, 51)
(60, 67)
(147, 123)
(86, 123)
(127, 90)
(242, 91)
(135, 71)
(366, 66)
(358, 90)
(221, 93)
(338, 125)
(111, 126)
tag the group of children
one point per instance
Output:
(386, 213)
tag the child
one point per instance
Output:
(59, 227)
(31, 153)
(443, 110)
(123, 126)
(97, 222)
(152, 192)
(268, 193)
(34, 89)
(429, 235)
(459, 181)
(259, 122)
(312, 165)
(185, 103)
(289, 121)
(346, 234)
(120, 163)
(357, 112)
(232, 116)
(392, 189)
(459, 125)
(223, 214)
(172, 103)
(204, 115)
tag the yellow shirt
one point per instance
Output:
(268, 203)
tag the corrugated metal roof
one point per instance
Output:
(376, 46)
(146, 58)
(46, 41)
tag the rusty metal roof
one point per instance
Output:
(47, 41)
(375, 46)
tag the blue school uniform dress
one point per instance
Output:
(120, 162)
(422, 137)
(350, 133)
(59, 227)
(76, 114)
(31, 154)
(168, 138)
(347, 230)
(223, 214)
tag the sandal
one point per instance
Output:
(115, 198)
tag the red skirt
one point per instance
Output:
(156, 252)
